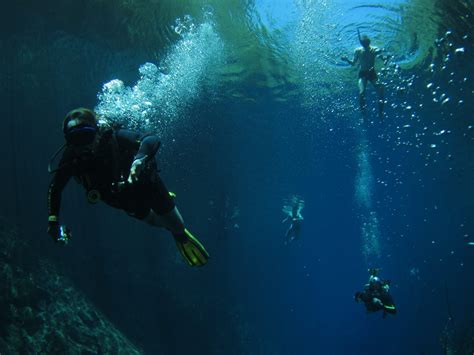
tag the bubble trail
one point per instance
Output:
(162, 94)
(364, 185)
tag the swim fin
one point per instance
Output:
(191, 249)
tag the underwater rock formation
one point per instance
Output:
(42, 312)
(463, 342)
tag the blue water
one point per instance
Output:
(410, 176)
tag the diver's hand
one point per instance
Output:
(136, 169)
(60, 234)
(377, 301)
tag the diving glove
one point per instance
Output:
(60, 234)
(191, 249)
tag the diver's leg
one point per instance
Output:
(380, 95)
(291, 234)
(153, 220)
(362, 89)
(163, 212)
(168, 216)
(188, 245)
(173, 221)
(296, 234)
(288, 235)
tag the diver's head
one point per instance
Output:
(373, 271)
(375, 283)
(365, 41)
(80, 127)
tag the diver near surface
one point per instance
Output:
(119, 168)
(376, 296)
(364, 58)
(293, 213)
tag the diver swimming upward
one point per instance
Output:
(292, 209)
(364, 58)
(117, 166)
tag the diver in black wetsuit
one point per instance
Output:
(376, 296)
(119, 168)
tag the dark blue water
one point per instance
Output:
(256, 295)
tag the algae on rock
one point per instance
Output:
(42, 312)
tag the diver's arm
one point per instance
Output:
(59, 181)
(60, 178)
(147, 144)
(347, 60)
(363, 296)
(60, 234)
(147, 147)
(354, 60)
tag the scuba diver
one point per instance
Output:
(117, 166)
(376, 296)
(293, 213)
(364, 58)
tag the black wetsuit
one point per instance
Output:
(294, 230)
(103, 172)
(388, 306)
